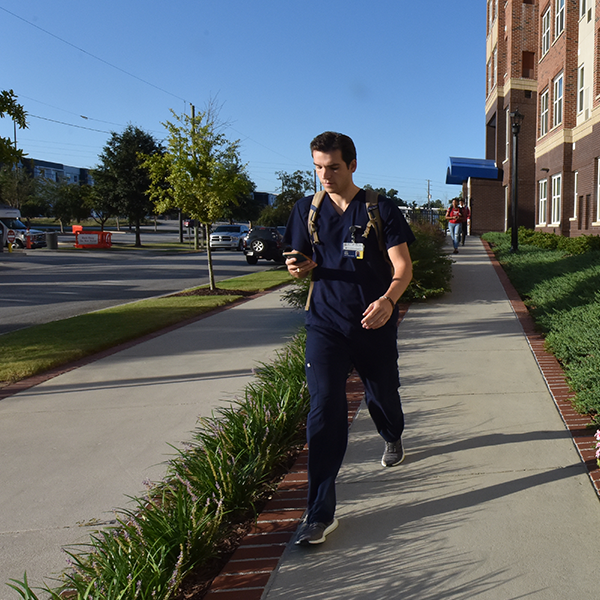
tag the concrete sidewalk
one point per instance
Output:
(492, 502)
(73, 448)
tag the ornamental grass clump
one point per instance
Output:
(211, 486)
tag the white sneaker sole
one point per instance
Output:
(326, 532)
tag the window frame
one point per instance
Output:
(542, 201)
(559, 18)
(580, 88)
(575, 194)
(545, 37)
(555, 205)
(557, 100)
(544, 112)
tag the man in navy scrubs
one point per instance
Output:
(351, 320)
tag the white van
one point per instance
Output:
(10, 220)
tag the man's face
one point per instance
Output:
(335, 175)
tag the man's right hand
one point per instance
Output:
(299, 269)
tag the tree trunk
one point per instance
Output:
(138, 237)
(211, 274)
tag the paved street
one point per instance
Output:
(45, 285)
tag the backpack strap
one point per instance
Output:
(376, 223)
(313, 213)
(315, 206)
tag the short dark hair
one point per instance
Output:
(330, 141)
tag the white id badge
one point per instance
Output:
(353, 250)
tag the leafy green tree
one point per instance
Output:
(68, 201)
(17, 187)
(293, 187)
(123, 180)
(391, 193)
(200, 173)
(9, 155)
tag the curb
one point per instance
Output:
(554, 376)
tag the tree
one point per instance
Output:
(200, 173)
(293, 187)
(122, 178)
(68, 201)
(9, 154)
(17, 187)
(391, 193)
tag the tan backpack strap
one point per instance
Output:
(376, 223)
(315, 206)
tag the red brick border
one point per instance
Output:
(249, 569)
(554, 375)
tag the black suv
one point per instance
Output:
(264, 242)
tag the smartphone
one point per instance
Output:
(297, 255)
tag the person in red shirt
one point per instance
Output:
(455, 216)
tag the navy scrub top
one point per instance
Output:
(344, 286)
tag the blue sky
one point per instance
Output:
(406, 80)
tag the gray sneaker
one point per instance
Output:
(393, 454)
(315, 533)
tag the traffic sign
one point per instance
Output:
(11, 236)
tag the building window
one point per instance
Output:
(575, 193)
(559, 19)
(508, 133)
(555, 206)
(496, 65)
(557, 102)
(580, 89)
(598, 194)
(543, 203)
(546, 32)
(544, 113)
(528, 60)
(581, 9)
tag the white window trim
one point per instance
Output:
(582, 9)
(597, 222)
(508, 135)
(555, 206)
(557, 101)
(544, 112)
(546, 32)
(543, 201)
(580, 89)
(559, 18)
(575, 195)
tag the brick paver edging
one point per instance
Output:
(249, 569)
(554, 375)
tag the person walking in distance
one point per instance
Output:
(454, 216)
(354, 245)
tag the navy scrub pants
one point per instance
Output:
(329, 357)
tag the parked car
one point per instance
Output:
(228, 236)
(264, 242)
(10, 221)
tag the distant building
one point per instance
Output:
(542, 59)
(51, 171)
(264, 198)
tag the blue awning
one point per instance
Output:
(460, 169)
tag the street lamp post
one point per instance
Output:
(516, 118)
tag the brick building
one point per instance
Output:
(541, 58)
